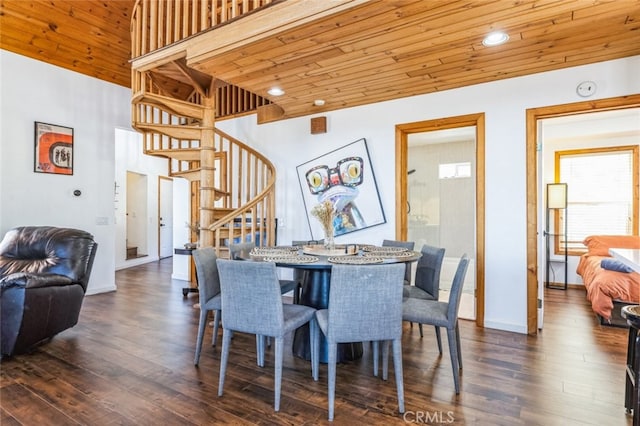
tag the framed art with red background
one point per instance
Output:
(53, 149)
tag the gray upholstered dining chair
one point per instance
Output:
(286, 286)
(210, 300)
(209, 293)
(251, 303)
(236, 248)
(365, 304)
(427, 280)
(443, 314)
(409, 245)
(300, 275)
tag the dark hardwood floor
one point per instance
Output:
(129, 361)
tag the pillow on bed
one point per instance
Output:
(599, 245)
(614, 265)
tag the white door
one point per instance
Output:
(165, 218)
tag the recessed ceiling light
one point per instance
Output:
(318, 102)
(275, 91)
(495, 38)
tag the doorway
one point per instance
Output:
(165, 217)
(136, 215)
(451, 151)
(535, 305)
(441, 202)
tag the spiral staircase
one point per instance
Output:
(175, 108)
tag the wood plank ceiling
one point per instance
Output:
(369, 52)
(90, 37)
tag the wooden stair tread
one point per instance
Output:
(188, 132)
(182, 154)
(191, 175)
(218, 213)
(169, 126)
(177, 106)
(223, 210)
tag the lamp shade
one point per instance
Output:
(557, 196)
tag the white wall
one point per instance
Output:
(129, 158)
(99, 113)
(504, 102)
(35, 91)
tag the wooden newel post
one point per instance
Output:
(207, 170)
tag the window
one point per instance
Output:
(454, 170)
(602, 193)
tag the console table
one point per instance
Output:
(187, 290)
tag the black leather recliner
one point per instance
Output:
(44, 272)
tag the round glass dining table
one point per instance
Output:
(316, 286)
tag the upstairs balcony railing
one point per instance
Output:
(156, 24)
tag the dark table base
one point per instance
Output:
(301, 348)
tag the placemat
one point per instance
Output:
(391, 254)
(355, 260)
(290, 259)
(320, 250)
(386, 249)
(274, 251)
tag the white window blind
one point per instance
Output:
(600, 193)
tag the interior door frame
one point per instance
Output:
(160, 197)
(402, 132)
(533, 115)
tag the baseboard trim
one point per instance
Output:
(505, 327)
(91, 291)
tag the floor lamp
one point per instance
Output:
(556, 200)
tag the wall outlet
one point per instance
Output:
(101, 220)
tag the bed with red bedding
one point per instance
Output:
(606, 287)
